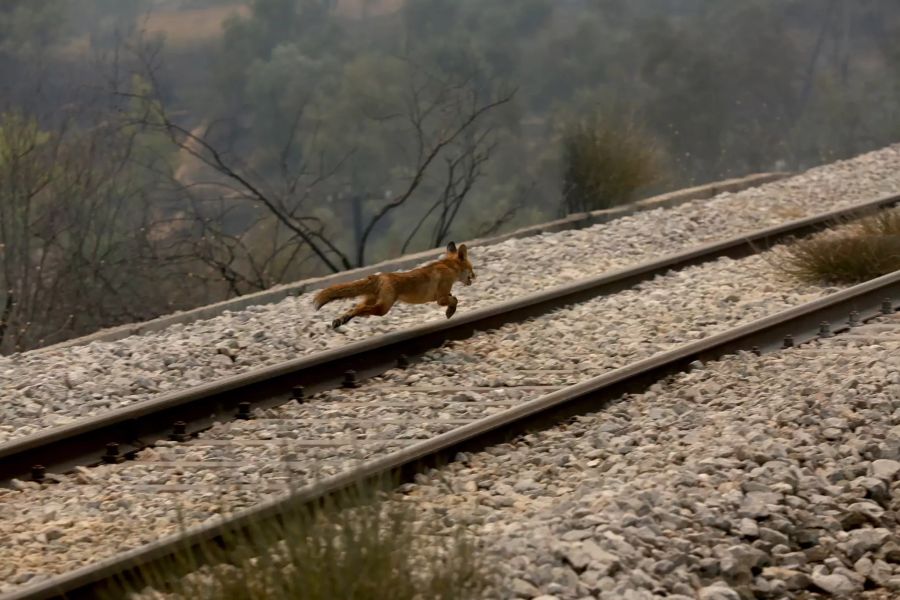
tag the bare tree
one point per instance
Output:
(444, 120)
(444, 123)
(74, 230)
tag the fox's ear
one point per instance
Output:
(451, 248)
(463, 252)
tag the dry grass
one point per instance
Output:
(605, 163)
(858, 252)
(370, 551)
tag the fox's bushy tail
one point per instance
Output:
(360, 287)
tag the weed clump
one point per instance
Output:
(858, 252)
(605, 163)
(370, 551)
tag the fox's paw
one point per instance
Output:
(337, 323)
(450, 311)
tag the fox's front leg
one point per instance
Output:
(450, 302)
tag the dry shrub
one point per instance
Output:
(861, 251)
(605, 163)
(369, 551)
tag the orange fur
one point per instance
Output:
(431, 283)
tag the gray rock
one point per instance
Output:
(880, 572)
(663, 567)
(526, 485)
(792, 559)
(869, 510)
(591, 579)
(835, 584)
(522, 588)
(605, 562)
(773, 537)
(860, 541)
(832, 433)
(890, 449)
(875, 488)
(573, 535)
(227, 351)
(718, 591)
(577, 557)
(738, 560)
(863, 566)
(758, 504)
(76, 377)
(564, 579)
(748, 528)
(709, 567)
(884, 469)
(890, 552)
(641, 579)
(24, 577)
(791, 578)
(221, 360)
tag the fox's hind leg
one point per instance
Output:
(352, 312)
(368, 307)
(450, 302)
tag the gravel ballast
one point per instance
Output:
(752, 477)
(46, 389)
(55, 528)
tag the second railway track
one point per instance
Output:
(122, 432)
(50, 388)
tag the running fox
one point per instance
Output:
(431, 283)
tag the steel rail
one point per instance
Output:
(137, 426)
(801, 322)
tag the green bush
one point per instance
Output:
(605, 163)
(861, 251)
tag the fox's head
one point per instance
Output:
(461, 255)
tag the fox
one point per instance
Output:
(430, 283)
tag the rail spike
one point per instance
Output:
(298, 394)
(350, 380)
(244, 411)
(112, 456)
(179, 432)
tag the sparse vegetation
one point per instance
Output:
(302, 137)
(373, 550)
(606, 163)
(858, 252)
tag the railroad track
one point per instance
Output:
(448, 418)
(405, 456)
(122, 432)
(817, 424)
